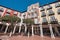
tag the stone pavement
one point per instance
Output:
(18, 37)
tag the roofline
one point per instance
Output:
(50, 3)
(26, 10)
(9, 8)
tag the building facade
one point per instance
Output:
(46, 20)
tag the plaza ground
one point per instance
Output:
(35, 37)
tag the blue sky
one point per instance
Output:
(21, 5)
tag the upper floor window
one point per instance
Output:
(41, 9)
(50, 12)
(36, 21)
(49, 7)
(57, 5)
(43, 14)
(58, 11)
(1, 9)
(52, 18)
(44, 20)
(0, 13)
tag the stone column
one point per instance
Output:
(28, 34)
(51, 31)
(10, 34)
(14, 29)
(25, 28)
(41, 30)
(32, 31)
(56, 31)
(6, 27)
(19, 29)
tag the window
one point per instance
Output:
(32, 14)
(1, 13)
(50, 12)
(44, 20)
(29, 16)
(43, 14)
(58, 11)
(36, 21)
(35, 14)
(49, 7)
(41, 9)
(57, 5)
(52, 18)
(1, 9)
(7, 14)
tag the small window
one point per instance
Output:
(50, 12)
(36, 21)
(41, 9)
(58, 11)
(57, 5)
(43, 14)
(34, 15)
(1, 9)
(49, 7)
(44, 20)
(52, 18)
